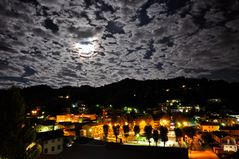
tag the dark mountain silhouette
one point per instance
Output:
(130, 92)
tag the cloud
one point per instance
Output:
(115, 27)
(83, 32)
(133, 39)
(234, 24)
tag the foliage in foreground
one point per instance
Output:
(16, 134)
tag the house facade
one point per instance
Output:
(52, 142)
(53, 146)
(209, 127)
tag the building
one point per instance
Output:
(75, 118)
(226, 142)
(92, 130)
(225, 120)
(209, 127)
(229, 144)
(51, 141)
(46, 125)
(230, 147)
(232, 130)
(218, 136)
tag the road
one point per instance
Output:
(207, 154)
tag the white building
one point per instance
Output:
(53, 146)
(229, 144)
(52, 141)
(230, 148)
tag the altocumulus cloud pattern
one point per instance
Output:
(97, 42)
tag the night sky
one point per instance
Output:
(98, 42)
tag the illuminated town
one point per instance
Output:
(195, 130)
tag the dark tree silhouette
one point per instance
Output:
(126, 131)
(189, 131)
(156, 136)
(116, 130)
(148, 132)
(16, 134)
(207, 138)
(106, 131)
(164, 134)
(136, 131)
(178, 134)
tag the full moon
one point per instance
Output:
(85, 48)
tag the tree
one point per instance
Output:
(189, 131)
(116, 130)
(148, 132)
(106, 131)
(126, 131)
(156, 136)
(207, 138)
(178, 134)
(164, 134)
(16, 134)
(136, 131)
